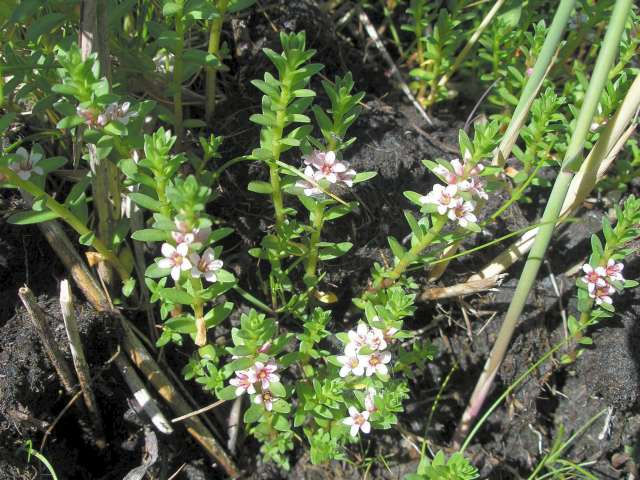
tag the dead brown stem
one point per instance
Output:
(462, 289)
(48, 340)
(80, 362)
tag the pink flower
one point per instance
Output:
(376, 363)
(358, 421)
(443, 197)
(376, 340)
(603, 294)
(594, 277)
(475, 186)
(243, 383)
(265, 398)
(369, 403)
(175, 258)
(614, 270)
(328, 167)
(462, 211)
(27, 164)
(205, 265)
(264, 373)
(351, 364)
(357, 339)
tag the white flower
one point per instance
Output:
(264, 373)
(118, 112)
(243, 383)
(369, 398)
(205, 265)
(603, 294)
(443, 197)
(357, 421)
(265, 398)
(462, 211)
(357, 339)
(614, 270)
(351, 364)
(310, 190)
(27, 164)
(376, 340)
(175, 258)
(594, 277)
(376, 363)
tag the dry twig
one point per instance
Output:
(462, 289)
(46, 337)
(79, 361)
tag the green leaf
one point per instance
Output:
(116, 128)
(237, 5)
(149, 235)
(70, 122)
(334, 251)
(176, 296)
(281, 423)
(227, 393)
(145, 201)
(413, 197)
(277, 389)
(260, 187)
(304, 93)
(30, 217)
(128, 286)
(396, 248)
(253, 413)
(170, 9)
(364, 176)
(281, 406)
(87, 239)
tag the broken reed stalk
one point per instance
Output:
(141, 394)
(141, 358)
(80, 361)
(461, 289)
(105, 199)
(550, 216)
(80, 272)
(48, 340)
(611, 140)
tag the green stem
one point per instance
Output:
(312, 262)
(214, 49)
(439, 221)
(177, 77)
(274, 175)
(64, 213)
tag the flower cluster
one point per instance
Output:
(374, 341)
(325, 165)
(27, 164)
(262, 374)
(448, 199)
(114, 111)
(184, 255)
(598, 280)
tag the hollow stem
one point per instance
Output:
(214, 49)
